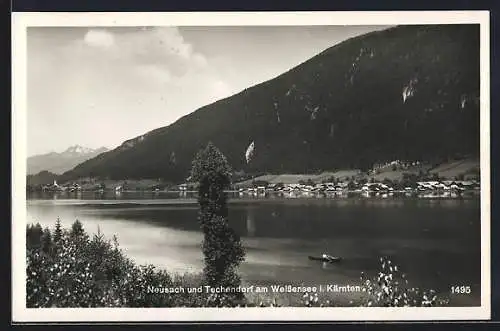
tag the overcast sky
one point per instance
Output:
(100, 86)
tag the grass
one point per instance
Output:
(296, 178)
(448, 170)
(456, 168)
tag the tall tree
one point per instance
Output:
(57, 231)
(222, 247)
(77, 229)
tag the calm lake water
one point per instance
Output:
(435, 241)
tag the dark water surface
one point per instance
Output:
(436, 242)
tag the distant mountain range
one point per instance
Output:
(58, 163)
(407, 93)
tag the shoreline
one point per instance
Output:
(183, 200)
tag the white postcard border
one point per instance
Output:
(22, 20)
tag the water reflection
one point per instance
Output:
(251, 223)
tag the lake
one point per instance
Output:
(435, 241)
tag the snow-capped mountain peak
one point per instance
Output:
(77, 149)
(58, 163)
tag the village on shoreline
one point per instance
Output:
(392, 178)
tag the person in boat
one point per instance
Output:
(324, 256)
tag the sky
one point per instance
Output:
(98, 87)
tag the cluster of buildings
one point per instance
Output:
(54, 187)
(325, 187)
(117, 188)
(448, 185)
(456, 186)
(396, 164)
(424, 186)
(345, 186)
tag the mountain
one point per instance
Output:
(408, 93)
(58, 163)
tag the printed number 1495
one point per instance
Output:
(460, 290)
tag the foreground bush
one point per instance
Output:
(70, 269)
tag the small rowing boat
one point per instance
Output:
(325, 258)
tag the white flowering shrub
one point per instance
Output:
(391, 288)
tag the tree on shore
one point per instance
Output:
(221, 247)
